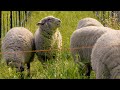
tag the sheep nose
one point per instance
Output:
(59, 20)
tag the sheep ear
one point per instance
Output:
(39, 23)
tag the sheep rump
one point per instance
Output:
(16, 40)
(105, 56)
(82, 41)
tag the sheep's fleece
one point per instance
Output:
(48, 37)
(88, 22)
(82, 40)
(105, 57)
(18, 39)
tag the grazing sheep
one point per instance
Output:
(18, 39)
(88, 22)
(82, 41)
(105, 57)
(48, 37)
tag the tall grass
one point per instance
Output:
(64, 68)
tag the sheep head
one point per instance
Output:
(49, 23)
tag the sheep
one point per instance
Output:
(105, 57)
(16, 41)
(88, 22)
(81, 43)
(48, 37)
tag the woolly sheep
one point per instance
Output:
(81, 43)
(48, 37)
(18, 39)
(105, 57)
(88, 22)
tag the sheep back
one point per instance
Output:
(18, 39)
(88, 22)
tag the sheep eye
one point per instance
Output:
(49, 19)
(42, 24)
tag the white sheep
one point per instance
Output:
(17, 40)
(48, 37)
(105, 57)
(88, 22)
(82, 41)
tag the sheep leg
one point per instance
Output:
(21, 75)
(7, 62)
(88, 66)
(21, 70)
(28, 69)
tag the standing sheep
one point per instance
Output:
(18, 39)
(105, 57)
(81, 44)
(47, 37)
(88, 22)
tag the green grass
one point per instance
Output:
(64, 68)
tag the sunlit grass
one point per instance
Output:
(64, 67)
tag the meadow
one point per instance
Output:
(64, 68)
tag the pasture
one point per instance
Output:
(64, 68)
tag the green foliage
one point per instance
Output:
(64, 67)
